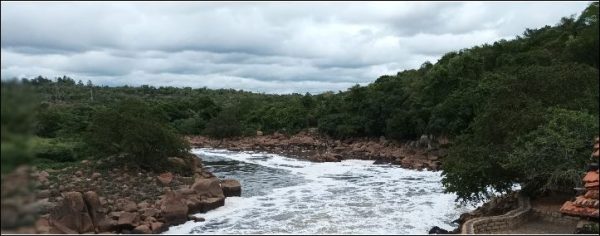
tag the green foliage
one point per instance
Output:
(56, 150)
(131, 129)
(224, 125)
(554, 156)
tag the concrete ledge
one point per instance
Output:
(486, 225)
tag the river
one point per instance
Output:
(283, 195)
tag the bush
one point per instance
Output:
(553, 157)
(132, 130)
(224, 125)
(14, 151)
(55, 150)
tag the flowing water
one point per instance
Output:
(282, 195)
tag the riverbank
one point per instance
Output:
(284, 195)
(425, 153)
(108, 197)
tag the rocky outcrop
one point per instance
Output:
(78, 200)
(231, 187)
(72, 216)
(425, 153)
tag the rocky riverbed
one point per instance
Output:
(97, 197)
(425, 153)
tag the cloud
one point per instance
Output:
(267, 46)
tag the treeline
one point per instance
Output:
(519, 111)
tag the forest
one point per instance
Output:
(517, 111)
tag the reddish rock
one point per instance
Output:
(165, 178)
(126, 205)
(107, 224)
(157, 227)
(43, 176)
(149, 212)
(231, 187)
(128, 220)
(211, 203)
(208, 187)
(174, 209)
(142, 229)
(42, 226)
(177, 161)
(93, 203)
(96, 175)
(196, 218)
(72, 215)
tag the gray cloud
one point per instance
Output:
(266, 47)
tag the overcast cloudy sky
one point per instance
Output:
(265, 47)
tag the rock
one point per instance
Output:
(142, 229)
(41, 206)
(231, 187)
(177, 161)
(94, 207)
(211, 203)
(123, 204)
(438, 230)
(149, 212)
(96, 175)
(165, 178)
(42, 226)
(115, 214)
(157, 227)
(78, 173)
(380, 162)
(173, 208)
(143, 204)
(44, 193)
(208, 187)
(43, 176)
(106, 224)
(128, 220)
(9, 215)
(72, 215)
(259, 133)
(196, 218)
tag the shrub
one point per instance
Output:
(132, 130)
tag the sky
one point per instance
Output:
(270, 47)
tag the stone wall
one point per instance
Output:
(553, 216)
(511, 219)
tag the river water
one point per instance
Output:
(283, 195)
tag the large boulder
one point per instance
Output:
(208, 187)
(173, 208)
(231, 187)
(71, 216)
(95, 209)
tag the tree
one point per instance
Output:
(224, 125)
(131, 129)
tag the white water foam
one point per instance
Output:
(348, 197)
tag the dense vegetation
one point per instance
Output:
(519, 111)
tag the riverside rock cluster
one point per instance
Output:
(86, 199)
(425, 153)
